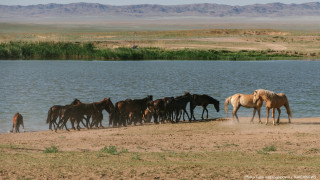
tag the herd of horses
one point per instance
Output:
(129, 111)
(167, 109)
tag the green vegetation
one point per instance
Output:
(267, 149)
(88, 51)
(52, 149)
(167, 165)
(113, 150)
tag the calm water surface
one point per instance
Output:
(32, 87)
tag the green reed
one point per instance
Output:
(87, 51)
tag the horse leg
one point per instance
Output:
(72, 120)
(87, 121)
(254, 113)
(207, 113)
(259, 115)
(65, 120)
(234, 113)
(268, 110)
(177, 115)
(185, 111)
(65, 125)
(202, 113)
(18, 127)
(22, 126)
(279, 112)
(78, 120)
(274, 119)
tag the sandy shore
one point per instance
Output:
(199, 136)
(299, 138)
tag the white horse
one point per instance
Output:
(245, 100)
(273, 101)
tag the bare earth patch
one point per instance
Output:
(209, 149)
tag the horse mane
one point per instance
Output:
(268, 93)
(213, 100)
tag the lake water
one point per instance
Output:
(32, 87)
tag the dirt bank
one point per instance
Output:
(298, 139)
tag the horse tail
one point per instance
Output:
(226, 103)
(288, 108)
(49, 116)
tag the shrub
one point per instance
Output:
(52, 149)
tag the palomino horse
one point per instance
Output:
(245, 100)
(273, 101)
(202, 100)
(17, 120)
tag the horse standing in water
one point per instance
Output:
(245, 100)
(273, 101)
(56, 111)
(202, 100)
(17, 120)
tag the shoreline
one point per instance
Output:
(200, 150)
(282, 121)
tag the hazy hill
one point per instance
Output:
(213, 10)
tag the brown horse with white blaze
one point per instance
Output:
(17, 120)
(245, 100)
(273, 101)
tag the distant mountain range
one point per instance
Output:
(145, 10)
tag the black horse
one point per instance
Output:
(202, 100)
(180, 104)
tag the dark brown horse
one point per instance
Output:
(77, 112)
(169, 106)
(17, 120)
(181, 104)
(121, 113)
(97, 118)
(56, 111)
(135, 108)
(202, 100)
(159, 111)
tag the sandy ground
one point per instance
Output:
(194, 149)
(299, 137)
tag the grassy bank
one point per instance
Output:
(155, 165)
(198, 150)
(88, 51)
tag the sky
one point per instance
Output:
(163, 2)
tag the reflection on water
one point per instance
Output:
(32, 87)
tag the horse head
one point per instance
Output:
(109, 107)
(256, 96)
(76, 101)
(217, 106)
(150, 97)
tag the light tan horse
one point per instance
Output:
(245, 100)
(17, 120)
(273, 101)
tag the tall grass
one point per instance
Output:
(87, 51)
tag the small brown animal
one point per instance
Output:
(147, 116)
(17, 120)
